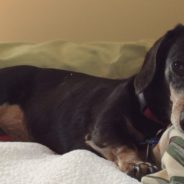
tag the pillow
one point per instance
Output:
(105, 59)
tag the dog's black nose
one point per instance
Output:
(182, 120)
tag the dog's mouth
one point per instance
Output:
(177, 113)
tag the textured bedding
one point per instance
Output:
(113, 60)
(30, 163)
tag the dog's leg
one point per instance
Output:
(127, 159)
(12, 122)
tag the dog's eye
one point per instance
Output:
(178, 68)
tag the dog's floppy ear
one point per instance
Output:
(155, 55)
(147, 72)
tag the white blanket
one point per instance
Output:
(31, 163)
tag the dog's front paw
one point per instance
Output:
(140, 169)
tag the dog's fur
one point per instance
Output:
(67, 110)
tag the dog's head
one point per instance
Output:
(162, 74)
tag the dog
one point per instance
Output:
(68, 110)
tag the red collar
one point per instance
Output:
(146, 110)
(150, 115)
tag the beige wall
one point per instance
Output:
(87, 20)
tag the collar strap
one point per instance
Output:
(142, 101)
(146, 110)
(150, 115)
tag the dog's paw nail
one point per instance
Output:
(141, 169)
(153, 168)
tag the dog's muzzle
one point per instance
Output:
(177, 113)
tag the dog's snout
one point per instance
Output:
(182, 120)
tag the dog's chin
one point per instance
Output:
(178, 127)
(175, 120)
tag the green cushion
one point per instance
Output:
(106, 59)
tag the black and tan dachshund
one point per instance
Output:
(67, 110)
